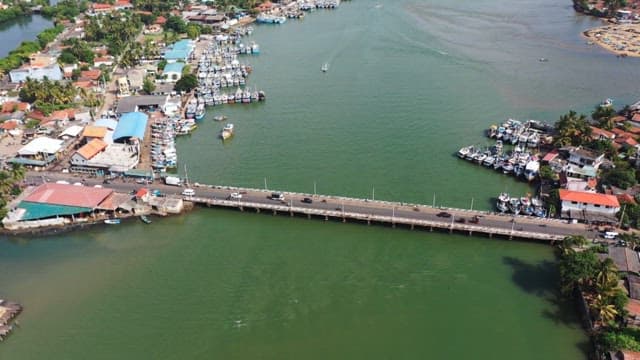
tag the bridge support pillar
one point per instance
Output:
(430, 228)
(393, 225)
(258, 210)
(368, 221)
(241, 208)
(274, 212)
(411, 226)
(490, 235)
(309, 216)
(326, 218)
(344, 220)
(470, 232)
(291, 213)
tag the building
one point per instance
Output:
(180, 51)
(52, 72)
(136, 79)
(141, 103)
(589, 207)
(39, 152)
(58, 200)
(92, 132)
(582, 157)
(123, 86)
(87, 152)
(131, 125)
(173, 71)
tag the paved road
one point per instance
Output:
(334, 203)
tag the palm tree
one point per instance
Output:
(604, 311)
(572, 241)
(18, 172)
(572, 128)
(606, 278)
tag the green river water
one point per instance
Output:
(409, 83)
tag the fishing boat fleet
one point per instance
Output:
(514, 132)
(521, 205)
(163, 147)
(219, 68)
(519, 162)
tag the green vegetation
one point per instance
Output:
(10, 185)
(597, 281)
(186, 83)
(48, 95)
(13, 12)
(572, 129)
(79, 50)
(149, 85)
(65, 9)
(116, 31)
(622, 176)
(155, 6)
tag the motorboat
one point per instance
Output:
(227, 132)
(325, 67)
(463, 152)
(112, 221)
(503, 201)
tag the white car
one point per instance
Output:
(235, 196)
(188, 192)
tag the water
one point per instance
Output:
(409, 83)
(25, 28)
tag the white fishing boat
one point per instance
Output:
(112, 221)
(325, 67)
(227, 132)
(531, 170)
(463, 152)
(503, 201)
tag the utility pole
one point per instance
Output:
(314, 188)
(471, 204)
(373, 193)
(434, 201)
(622, 215)
(265, 183)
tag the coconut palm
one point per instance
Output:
(606, 277)
(572, 129)
(604, 311)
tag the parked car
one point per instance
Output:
(307, 200)
(188, 192)
(443, 214)
(235, 196)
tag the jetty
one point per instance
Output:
(8, 312)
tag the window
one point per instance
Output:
(596, 205)
(574, 202)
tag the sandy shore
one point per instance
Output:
(622, 40)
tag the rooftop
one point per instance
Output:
(174, 67)
(69, 195)
(131, 103)
(589, 198)
(132, 124)
(41, 145)
(94, 131)
(92, 148)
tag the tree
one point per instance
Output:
(66, 57)
(546, 173)
(176, 24)
(604, 115)
(186, 83)
(193, 31)
(622, 176)
(577, 269)
(604, 311)
(148, 85)
(572, 129)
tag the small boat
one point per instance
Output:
(112, 221)
(503, 201)
(463, 152)
(543, 59)
(145, 219)
(227, 132)
(606, 103)
(219, 118)
(200, 111)
(325, 67)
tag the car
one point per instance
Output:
(277, 196)
(77, 184)
(188, 192)
(106, 181)
(97, 186)
(443, 214)
(307, 200)
(474, 220)
(62, 182)
(461, 220)
(235, 196)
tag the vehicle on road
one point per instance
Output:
(461, 220)
(610, 235)
(443, 214)
(188, 192)
(277, 196)
(62, 182)
(173, 180)
(307, 200)
(105, 181)
(474, 220)
(235, 196)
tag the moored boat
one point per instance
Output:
(112, 221)
(227, 132)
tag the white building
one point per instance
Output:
(588, 206)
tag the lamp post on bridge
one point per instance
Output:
(314, 188)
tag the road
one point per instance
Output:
(346, 205)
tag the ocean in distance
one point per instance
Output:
(409, 83)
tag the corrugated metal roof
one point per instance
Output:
(69, 195)
(133, 124)
(93, 147)
(34, 211)
(94, 131)
(174, 67)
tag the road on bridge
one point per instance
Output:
(336, 203)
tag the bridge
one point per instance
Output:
(364, 211)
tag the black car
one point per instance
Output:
(443, 214)
(307, 200)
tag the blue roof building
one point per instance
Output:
(179, 51)
(173, 71)
(133, 124)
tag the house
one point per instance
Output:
(97, 9)
(142, 195)
(173, 71)
(141, 102)
(136, 79)
(122, 5)
(131, 125)
(52, 72)
(103, 60)
(94, 132)
(588, 206)
(90, 74)
(39, 152)
(601, 134)
(87, 152)
(581, 157)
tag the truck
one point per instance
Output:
(173, 180)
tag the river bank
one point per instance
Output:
(621, 40)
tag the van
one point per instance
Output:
(277, 196)
(610, 235)
(188, 192)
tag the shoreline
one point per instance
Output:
(616, 39)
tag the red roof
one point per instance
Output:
(589, 198)
(141, 193)
(68, 195)
(161, 20)
(91, 74)
(9, 125)
(630, 355)
(601, 132)
(550, 156)
(9, 106)
(626, 198)
(97, 6)
(636, 117)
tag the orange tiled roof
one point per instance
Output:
(123, 3)
(636, 117)
(9, 106)
(9, 125)
(602, 132)
(627, 198)
(94, 131)
(91, 74)
(589, 198)
(85, 84)
(98, 6)
(630, 355)
(161, 20)
(92, 148)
